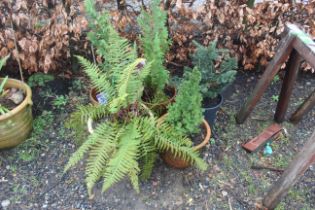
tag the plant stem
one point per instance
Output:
(92, 49)
(16, 46)
(147, 109)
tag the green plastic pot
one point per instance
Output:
(16, 125)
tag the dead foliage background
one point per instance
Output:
(48, 32)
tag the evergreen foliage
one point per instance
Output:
(155, 44)
(213, 80)
(126, 143)
(186, 114)
(115, 50)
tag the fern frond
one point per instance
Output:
(91, 111)
(129, 86)
(192, 156)
(133, 176)
(147, 165)
(180, 146)
(99, 79)
(125, 159)
(118, 54)
(168, 139)
(146, 126)
(86, 146)
(101, 153)
(147, 129)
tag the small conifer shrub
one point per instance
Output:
(185, 115)
(213, 79)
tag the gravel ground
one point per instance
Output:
(31, 175)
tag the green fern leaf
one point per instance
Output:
(129, 87)
(92, 111)
(125, 159)
(147, 165)
(99, 79)
(178, 145)
(133, 175)
(100, 154)
(86, 146)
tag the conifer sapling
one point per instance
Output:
(185, 115)
(213, 79)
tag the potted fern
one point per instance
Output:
(154, 44)
(185, 117)
(124, 138)
(214, 77)
(15, 110)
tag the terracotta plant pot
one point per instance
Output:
(177, 162)
(16, 125)
(92, 96)
(161, 107)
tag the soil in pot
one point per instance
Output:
(211, 107)
(211, 102)
(159, 107)
(198, 137)
(7, 103)
(12, 98)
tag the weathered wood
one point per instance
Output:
(270, 132)
(271, 70)
(307, 51)
(305, 107)
(295, 170)
(288, 84)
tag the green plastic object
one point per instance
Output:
(268, 150)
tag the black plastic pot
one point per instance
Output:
(210, 113)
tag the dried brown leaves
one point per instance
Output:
(252, 34)
(43, 29)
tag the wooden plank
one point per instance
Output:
(260, 140)
(283, 52)
(288, 84)
(307, 51)
(296, 169)
(307, 105)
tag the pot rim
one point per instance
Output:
(167, 101)
(94, 90)
(206, 126)
(216, 106)
(91, 94)
(27, 100)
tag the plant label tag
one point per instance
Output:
(101, 98)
